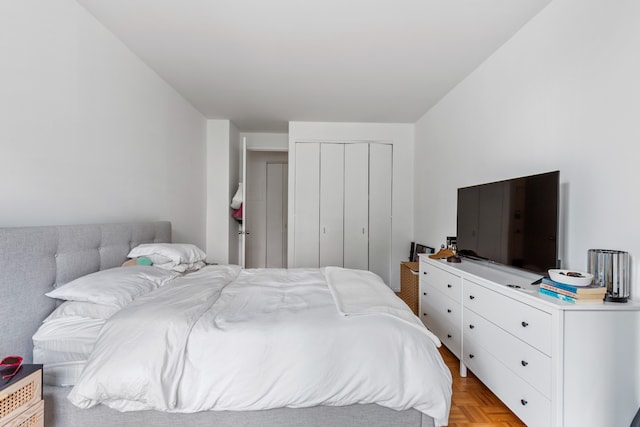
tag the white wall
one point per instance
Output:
(222, 183)
(402, 137)
(561, 94)
(88, 133)
(266, 141)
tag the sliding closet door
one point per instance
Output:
(356, 206)
(380, 197)
(331, 204)
(306, 241)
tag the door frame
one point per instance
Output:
(243, 229)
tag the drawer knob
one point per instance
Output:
(424, 293)
(524, 324)
(449, 286)
(448, 310)
(424, 314)
(472, 297)
(471, 326)
(471, 356)
(448, 335)
(524, 363)
(424, 272)
(524, 402)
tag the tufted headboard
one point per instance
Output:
(34, 260)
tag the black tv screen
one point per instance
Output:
(512, 222)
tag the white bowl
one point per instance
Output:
(571, 277)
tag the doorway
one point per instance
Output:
(267, 209)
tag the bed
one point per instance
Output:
(35, 259)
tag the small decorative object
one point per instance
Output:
(610, 269)
(452, 243)
(442, 253)
(453, 247)
(570, 277)
(9, 366)
(237, 214)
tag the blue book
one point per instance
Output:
(591, 289)
(569, 299)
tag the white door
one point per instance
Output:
(331, 204)
(243, 226)
(380, 200)
(276, 230)
(306, 237)
(356, 206)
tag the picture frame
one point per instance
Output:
(421, 249)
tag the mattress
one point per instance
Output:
(66, 338)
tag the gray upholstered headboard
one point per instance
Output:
(34, 260)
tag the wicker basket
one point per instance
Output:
(409, 284)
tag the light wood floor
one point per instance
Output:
(473, 404)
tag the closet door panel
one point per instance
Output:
(356, 206)
(331, 204)
(380, 199)
(307, 206)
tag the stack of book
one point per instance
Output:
(591, 294)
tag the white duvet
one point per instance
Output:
(221, 339)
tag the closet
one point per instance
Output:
(342, 205)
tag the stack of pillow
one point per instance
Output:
(180, 257)
(66, 338)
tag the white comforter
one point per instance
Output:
(221, 339)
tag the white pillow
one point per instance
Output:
(157, 260)
(161, 253)
(85, 310)
(115, 286)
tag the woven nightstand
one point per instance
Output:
(409, 278)
(21, 403)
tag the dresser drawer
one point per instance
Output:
(529, 324)
(442, 306)
(449, 334)
(33, 416)
(526, 402)
(443, 281)
(530, 364)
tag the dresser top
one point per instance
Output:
(517, 284)
(25, 370)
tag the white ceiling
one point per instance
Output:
(264, 63)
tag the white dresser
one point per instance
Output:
(552, 363)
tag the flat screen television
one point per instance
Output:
(512, 222)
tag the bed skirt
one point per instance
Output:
(59, 412)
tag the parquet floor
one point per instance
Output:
(473, 404)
